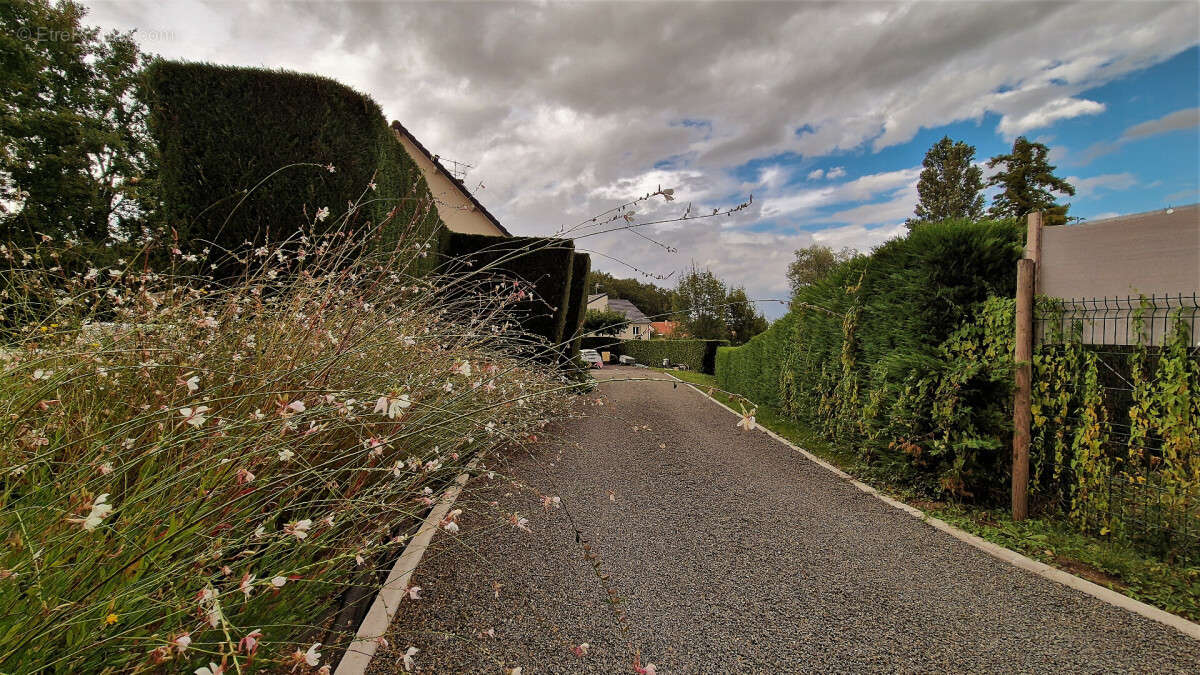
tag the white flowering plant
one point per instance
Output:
(193, 471)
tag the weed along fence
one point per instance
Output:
(1107, 416)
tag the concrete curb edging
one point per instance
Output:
(1015, 559)
(387, 602)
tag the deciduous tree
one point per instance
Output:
(75, 154)
(700, 305)
(603, 322)
(741, 317)
(814, 263)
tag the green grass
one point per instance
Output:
(1175, 588)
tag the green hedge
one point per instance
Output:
(753, 368)
(222, 130)
(546, 263)
(883, 357)
(698, 355)
(581, 265)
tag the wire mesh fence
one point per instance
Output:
(1128, 320)
(1127, 374)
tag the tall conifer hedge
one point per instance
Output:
(223, 130)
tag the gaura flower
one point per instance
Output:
(247, 584)
(244, 476)
(312, 657)
(747, 422)
(519, 522)
(298, 529)
(463, 368)
(413, 592)
(210, 669)
(181, 642)
(322, 213)
(100, 509)
(408, 658)
(278, 581)
(581, 650)
(393, 407)
(296, 406)
(249, 644)
(192, 383)
(286, 455)
(547, 502)
(105, 468)
(194, 416)
(449, 523)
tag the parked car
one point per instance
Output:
(592, 358)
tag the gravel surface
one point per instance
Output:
(733, 554)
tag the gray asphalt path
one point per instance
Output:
(733, 554)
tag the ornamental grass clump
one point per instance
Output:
(194, 471)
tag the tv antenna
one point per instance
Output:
(456, 169)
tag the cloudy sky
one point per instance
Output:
(821, 111)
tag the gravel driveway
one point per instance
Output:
(733, 554)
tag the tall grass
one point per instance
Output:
(192, 472)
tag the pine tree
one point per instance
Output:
(1027, 183)
(950, 184)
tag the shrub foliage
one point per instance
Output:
(861, 355)
(306, 142)
(698, 355)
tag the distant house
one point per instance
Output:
(638, 328)
(665, 328)
(456, 206)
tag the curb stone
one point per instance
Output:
(387, 602)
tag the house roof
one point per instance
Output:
(398, 127)
(663, 327)
(627, 308)
(592, 297)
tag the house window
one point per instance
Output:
(637, 330)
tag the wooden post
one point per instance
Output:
(1033, 246)
(1022, 413)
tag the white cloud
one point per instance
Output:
(897, 209)
(1087, 187)
(1052, 111)
(836, 172)
(566, 109)
(1188, 118)
(816, 174)
(858, 237)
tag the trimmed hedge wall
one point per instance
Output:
(581, 266)
(698, 355)
(546, 263)
(222, 130)
(753, 369)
